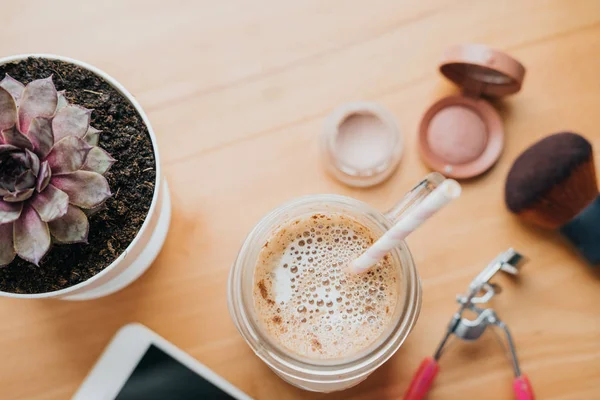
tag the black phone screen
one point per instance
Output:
(159, 376)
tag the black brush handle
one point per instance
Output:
(584, 232)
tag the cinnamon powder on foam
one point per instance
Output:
(304, 299)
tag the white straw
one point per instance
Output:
(435, 201)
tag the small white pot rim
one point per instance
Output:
(121, 89)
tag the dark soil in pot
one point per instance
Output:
(131, 179)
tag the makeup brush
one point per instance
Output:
(553, 184)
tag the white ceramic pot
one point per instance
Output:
(144, 248)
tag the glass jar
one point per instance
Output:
(338, 374)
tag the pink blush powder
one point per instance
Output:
(457, 135)
(363, 141)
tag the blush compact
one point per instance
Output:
(462, 136)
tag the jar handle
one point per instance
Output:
(415, 196)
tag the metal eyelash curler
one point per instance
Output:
(480, 291)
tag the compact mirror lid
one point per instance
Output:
(481, 70)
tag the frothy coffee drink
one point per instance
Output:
(306, 301)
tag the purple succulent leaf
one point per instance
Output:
(7, 249)
(19, 157)
(13, 86)
(62, 101)
(5, 148)
(39, 100)
(50, 204)
(92, 136)
(98, 161)
(85, 189)
(25, 181)
(8, 110)
(33, 162)
(68, 155)
(71, 121)
(44, 176)
(7, 188)
(18, 196)
(73, 227)
(9, 212)
(16, 138)
(41, 136)
(31, 236)
(93, 211)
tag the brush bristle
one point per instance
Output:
(553, 180)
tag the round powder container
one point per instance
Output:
(361, 144)
(462, 136)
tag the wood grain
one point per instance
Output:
(237, 92)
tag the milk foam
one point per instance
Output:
(308, 303)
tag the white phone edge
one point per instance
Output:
(121, 356)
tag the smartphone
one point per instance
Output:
(138, 364)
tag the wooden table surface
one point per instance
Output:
(237, 92)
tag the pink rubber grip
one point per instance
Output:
(522, 388)
(423, 380)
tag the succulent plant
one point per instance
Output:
(51, 170)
